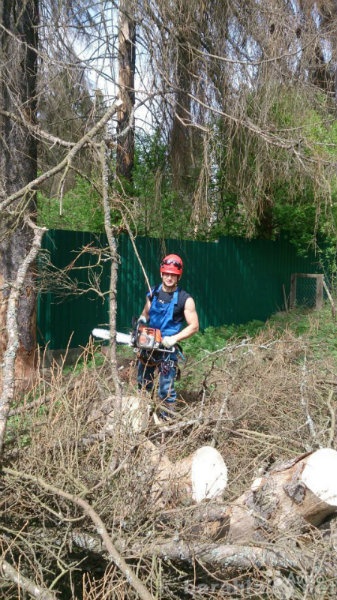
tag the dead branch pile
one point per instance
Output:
(76, 485)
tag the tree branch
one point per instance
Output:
(113, 553)
(25, 584)
(66, 161)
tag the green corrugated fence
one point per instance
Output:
(233, 281)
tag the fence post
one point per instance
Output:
(319, 291)
(292, 299)
(319, 288)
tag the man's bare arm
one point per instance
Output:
(192, 320)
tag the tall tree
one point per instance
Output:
(126, 90)
(225, 68)
(18, 162)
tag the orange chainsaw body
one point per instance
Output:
(148, 338)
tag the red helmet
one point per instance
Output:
(172, 263)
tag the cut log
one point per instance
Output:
(203, 474)
(292, 497)
(134, 414)
(319, 475)
(200, 476)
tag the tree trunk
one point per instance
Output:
(125, 117)
(180, 139)
(292, 498)
(18, 165)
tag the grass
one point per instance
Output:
(318, 326)
(215, 338)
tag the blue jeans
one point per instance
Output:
(167, 368)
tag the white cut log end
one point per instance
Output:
(209, 474)
(135, 413)
(320, 475)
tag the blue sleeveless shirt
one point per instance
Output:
(161, 313)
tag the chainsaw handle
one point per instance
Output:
(158, 349)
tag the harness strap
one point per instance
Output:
(147, 358)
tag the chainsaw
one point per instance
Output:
(142, 337)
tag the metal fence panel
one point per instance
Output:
(233, 281)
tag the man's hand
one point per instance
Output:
(141, 319)
(169, 340)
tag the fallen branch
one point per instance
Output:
(112, 551)
(26, 585)
(221, 555)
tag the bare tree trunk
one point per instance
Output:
(18, 165)
(180, 142)
(127, 62)
(113, 272)
(12, 331)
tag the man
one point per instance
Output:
(172, 310)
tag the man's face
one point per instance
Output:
(170, 280)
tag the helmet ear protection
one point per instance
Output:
(173, 264)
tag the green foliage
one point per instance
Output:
(160, 212)
(297, 218)
(307, 214)
(256, 189)
(317, 325)
(81, 209)
(215, 338)
(265, 190)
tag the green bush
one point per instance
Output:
(81, 209)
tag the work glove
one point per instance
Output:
(168, 341)
(141, 319)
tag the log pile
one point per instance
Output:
(292, 496)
